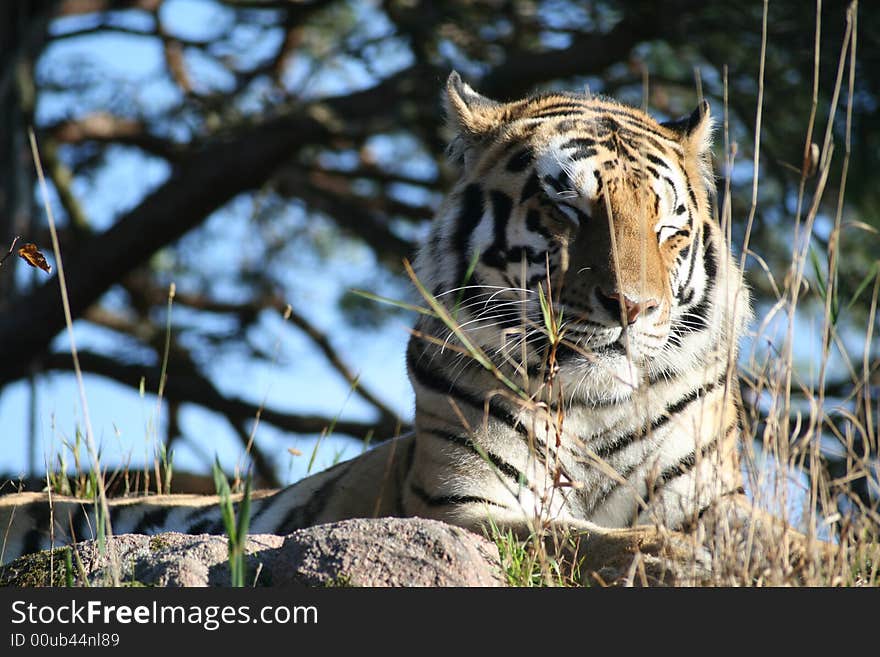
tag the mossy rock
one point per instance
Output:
(47, 568)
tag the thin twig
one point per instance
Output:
(90, 436)
(11, 249)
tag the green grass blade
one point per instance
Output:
(467, 277)
(392, 302)
(244, 512)
(873, 272)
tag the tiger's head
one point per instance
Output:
(605, 210)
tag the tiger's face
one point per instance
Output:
(588, 203)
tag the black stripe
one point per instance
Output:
(683, 232)
(607, 125)
(685, 252)
(522, 252)
(410, 455)
(262, 506)
(502, 204)
(555, 183)
(631, 116)
(81, 523)
(206, 526)
(561, 109)
(534, 224)
(41, 515)
(582, 216)
(403, 475)
(683, 466)
(633, 120)
(695, 320)
(503, 466)
(638, 121)
(634, 139)
(709, 256)
(690, 275)
(305, 515)
(468, 217)
(631, 154)
(671, 186)
(520, 161)
(688, 462)
(152, 519)
(614, 446)
(567, 125)
(197, 516)
(660, 162)
(434, 380)
(689, 524)
(449, 500)
(611, 485)
(557, 113)
(531, 188)
(215, 527)
(584, 147)
(697, 317)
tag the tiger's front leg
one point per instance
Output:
(642, 555)
(732, 542)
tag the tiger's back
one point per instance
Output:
(577, 369)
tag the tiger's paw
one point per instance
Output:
(641, 556)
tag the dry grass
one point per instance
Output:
(793, 414)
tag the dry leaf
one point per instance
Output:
(34, 258)
(811, 161)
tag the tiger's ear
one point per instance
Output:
(469, 114)
(695, 131)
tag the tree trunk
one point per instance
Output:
(23, 34)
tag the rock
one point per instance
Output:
(387, 552)
(360, 552)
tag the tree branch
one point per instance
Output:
(589, 53)
(191, 387)
(352, 216)
(246, 312)
(199, 187)
(107, 128)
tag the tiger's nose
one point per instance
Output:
(621, 305)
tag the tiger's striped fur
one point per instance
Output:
(621, 414)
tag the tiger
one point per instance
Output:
(574, 370)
